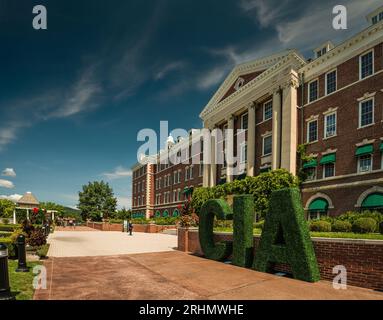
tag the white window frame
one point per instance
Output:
(264, 110)
(336, 81)
(325, 124)
(263, 145)
(324, 171)
(242, 148)
(315, 174)
(242, 116)
(308, 90)
(372, 160)
(308, 131)
(373, 63)
(360, 113)
(191, 173)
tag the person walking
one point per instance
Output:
(130, 227)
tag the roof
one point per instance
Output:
(28, 198)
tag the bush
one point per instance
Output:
(37, 238)
(364, 225)
(140, 221)
(5, 234)
(6, 221)
(166, 221)
(259, 225)
(381, 227)
(42, 251)
(320, 226)
(341, 226)
(260, 187)
(9, 227)
(116, 221)
(352, 216)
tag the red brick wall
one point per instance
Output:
(362, 259)
(150, 228)
(105, 226)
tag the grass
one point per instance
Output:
(343, 235)
(21, 283)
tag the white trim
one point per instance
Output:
(365, 194)
(308, 90)
(318, 196)
(336, 81)
(242, 146)
(373, 62)
(360, 113)
(324, 171)
(358, 165)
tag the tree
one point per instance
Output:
(6, 208)
(97, 201)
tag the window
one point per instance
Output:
(243, 154)
(329, 170)
(366, 65)
(312, 131)
(330, 125)
(268, 110)
(244, 121)
(366, 113)
(365, 163)
(186, 173)
(191, 173)
(267, 145)
(179, 195)
(313, 90)
(179, 176)
(201, 169)
(311, 174)
(331, 82)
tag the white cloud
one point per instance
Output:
(6, 184)
(118, 173)
(12, 197)
(212, 78)
(173, 66)
(9, 172)
(124, 202)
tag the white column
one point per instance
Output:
(27, 214)
(14, 216)
(276, 129)
(251, 141)
(206, 156)
(213, 165)
(290, 126)
(229, 146)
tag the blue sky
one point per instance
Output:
(73, 97)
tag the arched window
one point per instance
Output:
(373, 201)
(318, 208)
(176, 213)
(158, 214)
(165, 214)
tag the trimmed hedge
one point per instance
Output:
(9, 227)
(5, 234)
(260, 187)
(243, 246)
(286, 238)
(381, 227)
(320, 226)
(341, 226)
(364, 225)
(220, 209)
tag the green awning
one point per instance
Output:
(374, 200)
(310, 164)
(328, 158)
(318, 205)
(363, 150)
(381, 147)
(186, 190)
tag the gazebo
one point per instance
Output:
(27, 202)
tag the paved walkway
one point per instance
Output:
(102, 243)
(175, 275)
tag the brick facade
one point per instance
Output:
(363, 259)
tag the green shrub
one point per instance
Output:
(341, 226)
(364, 225)
(381, 227)
(42, 251)
(260, 187)
(6, 221)
(5, 234)
(11, 246)
(140, 221)
(352, 216)
(167, 221)
(320, 226)
(259, 225)
(116, 221)
(37, 238)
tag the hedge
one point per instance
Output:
(220, 209)
(320, 226)
(286, 239)
(9, 227)
(364, 225)
(341, 226)
(381, 227)
(260, 187)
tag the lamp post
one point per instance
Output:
(5, 290)
(22, 265)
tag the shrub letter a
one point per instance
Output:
(286, 238)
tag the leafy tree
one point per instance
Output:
(122, 214)
(6, 208)
(97, 201)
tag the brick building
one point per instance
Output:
(333, 103)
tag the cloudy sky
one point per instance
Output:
(73, 97)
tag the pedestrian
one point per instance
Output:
(130, 227)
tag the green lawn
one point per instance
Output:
(345, 235)
(21, 283)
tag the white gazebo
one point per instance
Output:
(27, 202)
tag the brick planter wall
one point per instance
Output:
(105, 226)
(363, 259)
(151, 228)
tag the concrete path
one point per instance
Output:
(176, 276)
(99, 243)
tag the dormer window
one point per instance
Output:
(239, 84)
(323, 49)
(375, 16)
